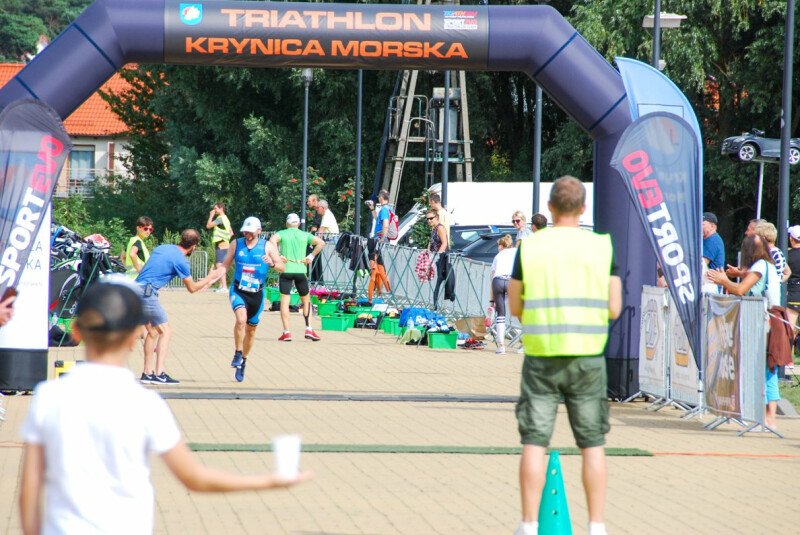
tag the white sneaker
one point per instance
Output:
(501, 350)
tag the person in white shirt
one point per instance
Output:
(328, 225)
(88, 435)
(502, 266)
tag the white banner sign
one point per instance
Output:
(28, 329)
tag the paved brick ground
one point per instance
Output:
(696, 482)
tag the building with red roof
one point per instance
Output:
(98, 135)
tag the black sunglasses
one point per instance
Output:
(516, 220)
(431, 218)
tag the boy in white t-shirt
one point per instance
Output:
(88, 436)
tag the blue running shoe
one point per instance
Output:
(239, 375)
(237, 359)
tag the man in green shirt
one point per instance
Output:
(220, 237)
(292, 244)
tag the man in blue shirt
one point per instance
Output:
(166, 262)
(252, 256)
(713, 247)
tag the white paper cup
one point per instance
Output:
(286, 454)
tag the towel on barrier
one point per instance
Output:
(779, 338)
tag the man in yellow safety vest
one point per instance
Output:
(221, 238)
(564, 289)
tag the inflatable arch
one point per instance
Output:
(536, 40)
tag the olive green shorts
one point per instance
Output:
(583, 384)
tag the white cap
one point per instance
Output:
(292, 219)
(794, 232)
(251, 224)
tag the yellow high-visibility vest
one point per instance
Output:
(222, 232)
(131, 271)
(566, 273)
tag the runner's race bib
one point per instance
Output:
(249, 282)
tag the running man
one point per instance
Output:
(220, 237)
(292, 243)
(252, 257)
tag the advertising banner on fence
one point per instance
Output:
(652, 342)
(721, 382)
(657, 157)
(377, 36)
(684, 376)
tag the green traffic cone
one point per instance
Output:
(553, 509)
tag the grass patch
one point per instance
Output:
(790, 392)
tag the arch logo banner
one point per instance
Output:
(383, 36)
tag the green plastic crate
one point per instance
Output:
(329, 308)
(314, 300)
(340, 322)
(273, 294)
(391, 326)
(360, 310)
(442, 340)
(294, 299)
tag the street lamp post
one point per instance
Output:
(659, 21)
(307, 75)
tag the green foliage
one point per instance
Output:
(421, 231)
(76, 214)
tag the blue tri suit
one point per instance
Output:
(249, 278)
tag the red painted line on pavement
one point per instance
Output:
(719, 454)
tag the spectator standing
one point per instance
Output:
(793, 261)
(713, 246)
(136, 253)
(435, 201)
(89, 435)
(315, 269)
(252, 264)
(769, 233)
(384, 216)
(564, 289)
(328, 224)
(220, 237)
(438, 246)
(312, 202)
(538, 222)
(502, 266)
(520, 223)
(166, 262)
(293, 244)
(757, 281)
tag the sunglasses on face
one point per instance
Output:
(149, 229)
(515, 221)
(430, 218)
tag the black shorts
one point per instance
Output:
(299, 280)
(252, 302)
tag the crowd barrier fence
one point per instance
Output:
(731, 382)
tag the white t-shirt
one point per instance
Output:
(769, 276)
(503, 263)
(98, 426)
(329, 222)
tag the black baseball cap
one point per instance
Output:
(111, 305)
(710, 217)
